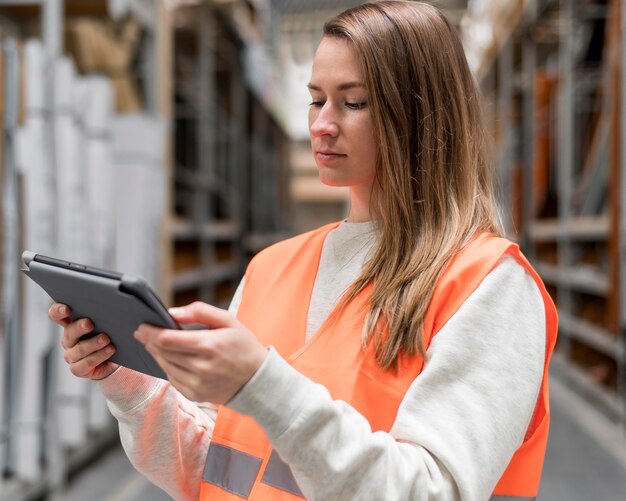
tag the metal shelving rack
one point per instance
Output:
(557, 90)
(228, 172)
(230, 175)
(59, 462)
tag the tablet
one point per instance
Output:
(116, 304)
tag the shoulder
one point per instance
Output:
(471, 264)
(505, 313)
(509, 280)
(479, 259)
(481, 254)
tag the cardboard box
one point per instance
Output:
(100, 47)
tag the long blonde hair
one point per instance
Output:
(434, 185)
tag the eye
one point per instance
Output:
(316, 104)
(356, 106)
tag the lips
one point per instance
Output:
(328, 155)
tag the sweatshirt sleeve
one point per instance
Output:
(165, 436)
(457, 427)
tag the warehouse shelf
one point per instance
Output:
(230, 170)
(257, 242)
(215, 230)
(65, 423)
(592, 335)
(189, 177)
(556, 98)
(584, 228)
(205, 275)
(582, 278)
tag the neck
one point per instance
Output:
(360, 205)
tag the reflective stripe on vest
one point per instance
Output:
(232, 470)
(278, 474)
(241, 462)
(236, 471)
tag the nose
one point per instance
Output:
(323, 121)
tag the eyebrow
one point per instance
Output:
(342, 86)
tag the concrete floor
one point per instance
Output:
(585, 461)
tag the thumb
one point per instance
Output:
(203, 313)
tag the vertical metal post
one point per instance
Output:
(255, 162)
(163, 54)
(505, 154)
(11, 228)
(622, 215)
(236, 140)
(205, 110)
(206, 138)
(258, 167)
(566, 155)
(529, 65)
(278, 164)
(163, 72)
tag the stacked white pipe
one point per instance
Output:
(93, 189)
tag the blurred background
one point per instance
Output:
(168, 138)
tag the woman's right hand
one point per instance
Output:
(87, 358)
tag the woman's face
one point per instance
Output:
(340, 123)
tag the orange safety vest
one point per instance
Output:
(278, 286)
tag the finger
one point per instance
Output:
(74, 331)
(171, 368)
(59, 314)
(184, 362)
(86, 366)
(171, 340)
(203, 313)
(85, 348)
(172, 363)
(181, 385)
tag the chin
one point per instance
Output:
(342, 181)
(330, 177)
(336, 183)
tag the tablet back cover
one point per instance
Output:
(112, 311)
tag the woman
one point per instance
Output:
(400, 354)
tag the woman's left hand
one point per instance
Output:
(205, 365)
